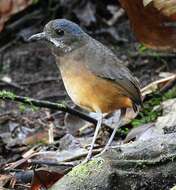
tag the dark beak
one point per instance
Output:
(36, 37)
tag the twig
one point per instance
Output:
(169, 85)
(151, 55)
(14, 165)
(153, 86)
(83, 154)
(116, 17)
(51, 163)
(12, 84)
(49, 79)
(45, 104)
(50, 129)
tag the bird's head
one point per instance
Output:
(62, 35)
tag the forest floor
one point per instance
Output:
(28, 69)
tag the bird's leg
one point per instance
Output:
(100, 118)
(122, 114)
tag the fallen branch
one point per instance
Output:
(5, 95)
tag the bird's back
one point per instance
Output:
(95, 79)
(103, 63)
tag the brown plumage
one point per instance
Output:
(95, 79)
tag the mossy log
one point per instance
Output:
(141, 165)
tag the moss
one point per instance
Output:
(6, 94)
(35, 1)
(148, 114)
(30, 104)
(142, 48)
(82, 171)
(22, 107)
(170, 94)
(63, 104)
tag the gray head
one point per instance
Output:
(63, 36)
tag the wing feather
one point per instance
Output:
(106, 65)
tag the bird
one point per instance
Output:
(94, 78)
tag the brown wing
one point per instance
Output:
(103, 63)
(153, 22)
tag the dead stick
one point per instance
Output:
(151, 55)
(51, 163)
(169, 85)
(4, 95)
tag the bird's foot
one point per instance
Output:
(87, 159)
(103, 151)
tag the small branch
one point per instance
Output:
(116, 17)
(49, 79)
(12, 84)
(5, 95)
(151, 55)
(51, 163)
(169, 85)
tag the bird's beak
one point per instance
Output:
(36, 37)
(43, 36)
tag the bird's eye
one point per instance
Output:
(59, 32)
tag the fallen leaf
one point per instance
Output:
(10, 7)
(143, 132)
(44, 179)
(146, 2)
(166, 123)
(168, 7)
(154, 24)
(68, 142)
(73, 124)
(4, 179)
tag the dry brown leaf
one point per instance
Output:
(4, 179)
(167, 7)
(153, 24)
(44, 179)
(10, 7)
(36, 138)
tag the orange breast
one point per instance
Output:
(92, 92)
